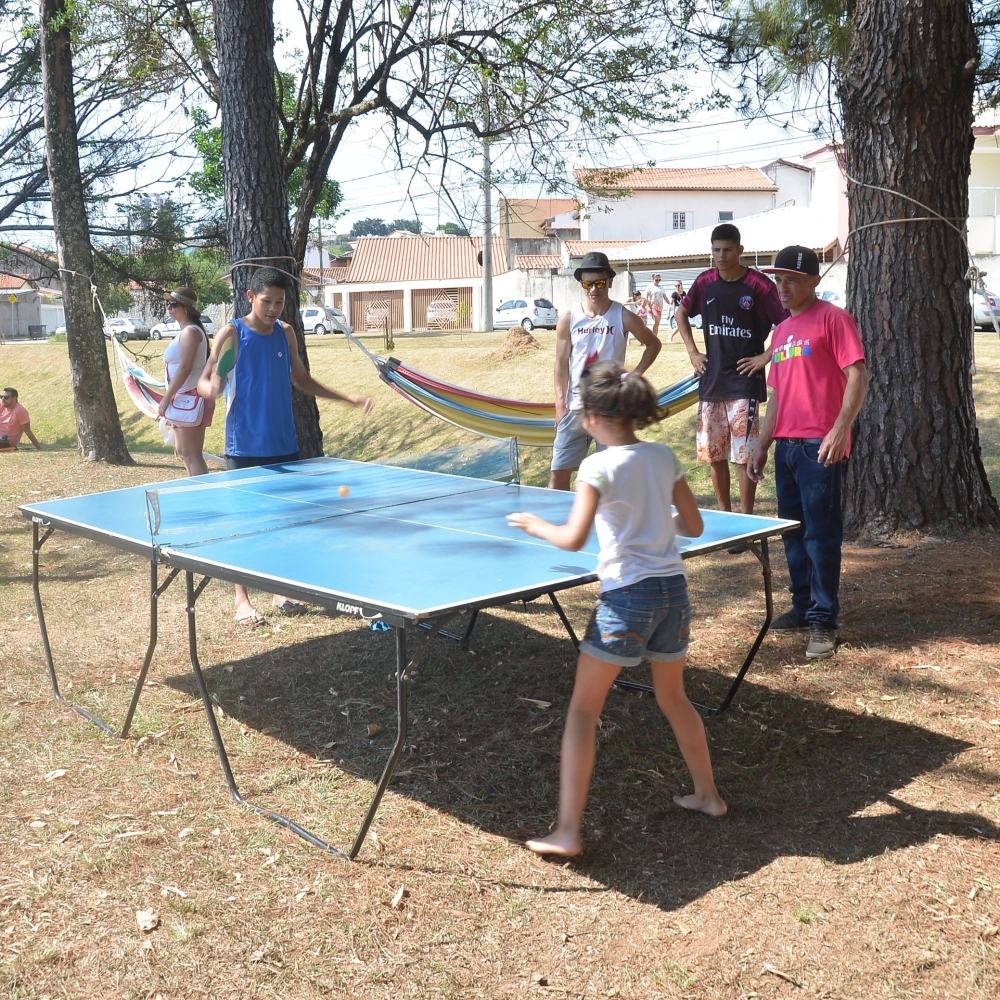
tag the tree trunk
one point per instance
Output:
(256, 200)
(99, 430)
(907, 97)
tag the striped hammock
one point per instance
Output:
(144, 390)
(533, 424)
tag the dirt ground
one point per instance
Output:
(860, 856)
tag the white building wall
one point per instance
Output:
(648, 215)
(794, 186)
(345, 289)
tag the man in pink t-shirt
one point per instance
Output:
(14, 420)
(818, 382)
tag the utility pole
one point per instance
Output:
(487, 241)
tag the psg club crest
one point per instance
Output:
(746, 302)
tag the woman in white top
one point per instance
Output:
(184, 360)
(626, 492)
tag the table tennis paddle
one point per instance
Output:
(227, 360)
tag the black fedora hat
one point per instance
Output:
(595, 261)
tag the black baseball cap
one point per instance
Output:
(794, 260)
(595, 261)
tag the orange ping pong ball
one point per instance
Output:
(343, 491)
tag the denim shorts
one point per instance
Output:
(650, 619)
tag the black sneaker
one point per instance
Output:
(787, 623)
(822, 642)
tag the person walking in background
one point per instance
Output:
(656, 297)
(675, 300)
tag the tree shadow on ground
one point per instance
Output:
(801, 777)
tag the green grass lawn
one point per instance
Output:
(40, 372)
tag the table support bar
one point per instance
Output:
(404, 670)
(155, 592)
(763, 557)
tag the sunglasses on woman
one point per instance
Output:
(600, 283)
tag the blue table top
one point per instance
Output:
(403, 542)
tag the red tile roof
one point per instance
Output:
(310, 275)
(577, 248)
(386, 260)
(675, 179)
(10, 282)
(526, 261)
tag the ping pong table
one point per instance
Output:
(411, 548)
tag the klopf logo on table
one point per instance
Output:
(746, 302)
(792, 349)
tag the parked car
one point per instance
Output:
(984, 308)
(835, 297)
(125, 329)
(324, 319)
(169, 328)
(520, 312)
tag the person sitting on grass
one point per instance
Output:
(183, 362)
(260, 427)
(627, 490)
(14, 421)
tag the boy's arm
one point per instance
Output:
(755, 467)
(209, 386)
(304, 382)
(645, 336)
(564, 347)
(834, 445)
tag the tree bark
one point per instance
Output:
(907, 95)
(256, 200)
(99, 429)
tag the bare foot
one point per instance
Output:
(710, 804)
(564, 845)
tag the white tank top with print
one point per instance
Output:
(594, 338)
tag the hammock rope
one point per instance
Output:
(533, 424)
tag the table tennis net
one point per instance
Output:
(180, 517)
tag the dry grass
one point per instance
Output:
(860, 857)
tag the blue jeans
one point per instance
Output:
(810, 492)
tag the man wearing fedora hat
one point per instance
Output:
(596, 330)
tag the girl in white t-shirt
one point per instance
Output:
(626, 492)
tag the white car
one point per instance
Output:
(442, 313)
(984, 308)
(521, 312)
(125, 329)
(324, 319)
(169, 328)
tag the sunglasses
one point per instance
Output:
(600, 283)
(173, 305)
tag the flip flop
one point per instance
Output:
(291, 608)
(251, 620)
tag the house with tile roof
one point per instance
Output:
(649, 203)
(427, 282)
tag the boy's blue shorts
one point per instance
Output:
(650, 619)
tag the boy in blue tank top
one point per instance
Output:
(260, 427)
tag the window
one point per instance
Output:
(543, 304)
(682, 220)
(725, 216)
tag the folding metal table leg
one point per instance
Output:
(564, 619)
(764, 559)
(403, 670)
(155, 592)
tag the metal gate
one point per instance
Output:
(369, 310)
(442, 308)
